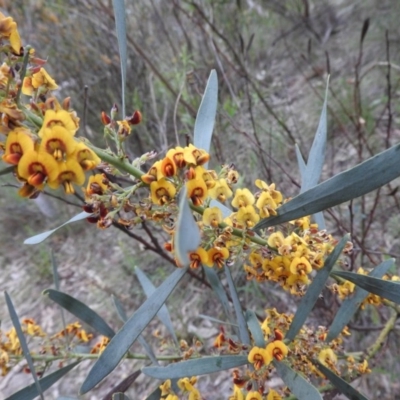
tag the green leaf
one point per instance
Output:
(218, 289)
(120, 24)
(30, 392)
(43, 236)
(386, 289)
(81, 311)
(363, 178)
(316, 158)
(22, 341)
(125, 337)
(318, 217)
(122, 315)
(298, 385)
(56, 280)
(339, 383)
(120, 396)
(200, 366)
(187, 233)
(155, 395)
(7, 170)
(351, 304)
(163, 314)
(255, 328)
(204, 125)
(123, 386)
(300, 161)
(308, 301)
(243, 331)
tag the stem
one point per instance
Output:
(389, 326)
(117, 162)
(69, 356)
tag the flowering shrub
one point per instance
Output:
(213, 225)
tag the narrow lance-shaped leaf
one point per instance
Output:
(255, 328)
(365, 177)
(316, 158)
(30, 392)
(299, 386)
(127, 335)
(187, 234)
(201, 366)
(243, 331)
(43, 236)
(386, 289)
(340, 384)
(122, 315)
(318, 217)
(219, 290)
(204, 125)
(22, 342)
(300, 161)
(351, 304)
(81, 311)
(163, 314)
(308, 301)
(56, 280)
(120, 24)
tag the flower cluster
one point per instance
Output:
(186, 387)
(40, 137)
(42, 344)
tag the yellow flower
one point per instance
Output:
(58, 142)
(198, 257)
(220, 191)
(275, 194)
(277, 349)
(85, 156)
(98, 184)
(200, 155)
(217, 256)
(165, 387)
(8, 30)
(345, 289)
(208, 176)
(194, 395)
(327, 357)
(247, 216)
(69, 172)
(212, 217)
(124, 129)
(186, 384)
(266, 204)
(273, 395)
(100, 346)
(253, 396)
(243, 197)
(36, 167)
(181, 157)
(154, 173)
(61, 118)
(237, 393)
(300, 266)
(18, 142)
(31, 328)
(168, 167)
(259, 357)
(162, 191)
(40, 79)
(196, 191)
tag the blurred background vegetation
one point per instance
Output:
(273, 58)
